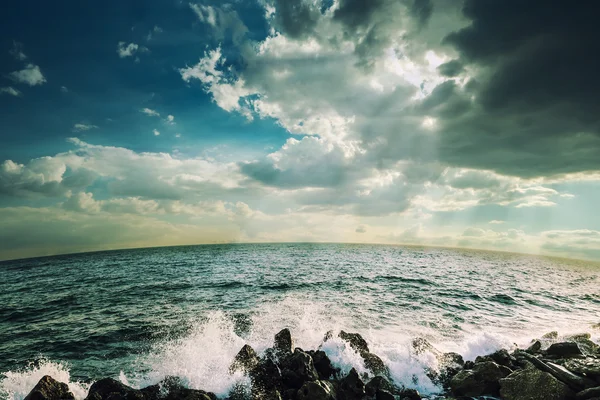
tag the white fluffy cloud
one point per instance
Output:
(83, 127)
(127, 50)
(150, 112)
(11, 91)
(31, 75)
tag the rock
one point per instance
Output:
(451, 359)
(111, 389)
(351, 387)
(550, 335)
(533, 384)
(563, 375)
(284, 344)
(48, 388)
(316, 390)
(502, 357)
(267, 395)
(356, 341)
(482, 379)
(535, 347)
(578, 336)
(421, 346)
(266, 375)
(589, 367)
(588, 393)
(245, 360)
(384, 395)
(322, 364)
(409, 394)
(564, 350)
(375, 364)
(378, 383)
(298, 369)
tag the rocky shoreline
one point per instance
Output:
(546, 370)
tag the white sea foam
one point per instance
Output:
(16, 385)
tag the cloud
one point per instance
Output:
(31, 75)
(150, 112)
(156, 132)
(17, 51)
(11, 91)
(156, 30)
(64, 89)
(361, 229)
(83, 127)
(127, 50)
(224, 21)
(170, 120)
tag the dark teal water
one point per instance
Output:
(143, 314)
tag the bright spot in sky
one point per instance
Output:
(429, 122)
(156, 132)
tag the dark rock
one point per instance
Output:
(533, 384)
(356, 341)
(575, 382)
(469, 365)
(421, 345)
(535, 347)
(351, 387)
(451, 359)
(266, 375)
(323, 364)
(482, 379)
(564, 349)
(588, 393)
(317, 390)
(375, 364)
(409, 394)
(284, 344)
(267, 395)
(111, 389)
(289, 394)
(50, 389)
(245, 360)
(384, 395)
(502, 357)
(589, 367)
(298, 369)
(378, 383)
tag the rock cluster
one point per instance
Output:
(568, 370)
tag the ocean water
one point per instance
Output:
(141, 315)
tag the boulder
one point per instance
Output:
(550, 335)
(50, 389)
(284, 344)
(356, 341)
(589, 367)
(421, 346)
(375, 364)
(535, 347)
(575, 382)
(533, 384)
(378, 383)
(564, 350)
(323, 364)
(351, 387)
(266, 375)
(245, 360)
(481, 380)
(111, 389)
(298, 369)
(316, 390)
(384, 395)
(588, 393)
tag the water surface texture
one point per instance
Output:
(140, 315)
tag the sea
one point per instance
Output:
(141, 315)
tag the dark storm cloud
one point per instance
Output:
(451, 68)
(296, 18)
(421, 10)
(534, 100)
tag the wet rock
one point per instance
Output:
(111, 389)
(560, 373)
(421, 346)
(266, 375)
(351, 387)
(550, 335)
(356, 341)
(589, 367)
(50, 389)
(384, 395)
(502, 357)
(323, 364)
(267, 395)
(533, 384)
(298, 369)
(245, 360)
(452, 359)
(378, 383)
(409, 394)
(284, 344)
(578, 336)
(535, 347)
(317, 390)
(375, 364)
(564, 349)
(588, 394)
(482, 379)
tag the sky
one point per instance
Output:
(140, 123)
